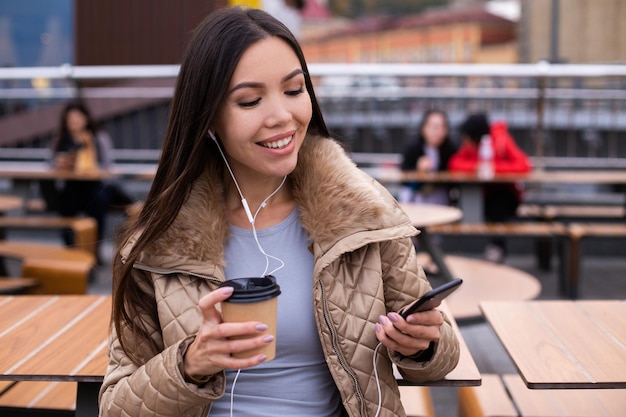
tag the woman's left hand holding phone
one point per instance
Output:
(412, 335)
(210, 352)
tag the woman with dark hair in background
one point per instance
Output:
(82, 147)
(250, 179)
(430, 152)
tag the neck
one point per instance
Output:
(277, 202)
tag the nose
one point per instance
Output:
(278, 111)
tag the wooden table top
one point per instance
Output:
(16, 285)
(563, 344)
(424, 215)
(54, 338)
(388, 175)
(44, 252)
(484, 281)
(10, 202)
(64, 338)
(44, 173)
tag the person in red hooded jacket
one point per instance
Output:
(500, 199)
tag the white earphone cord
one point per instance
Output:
(251, 218)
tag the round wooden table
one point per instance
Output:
(422, 216)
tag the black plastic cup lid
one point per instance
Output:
(252, 290)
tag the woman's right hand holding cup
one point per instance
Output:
(211, 350)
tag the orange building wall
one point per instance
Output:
(467, 42)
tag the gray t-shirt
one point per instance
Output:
(297, 382)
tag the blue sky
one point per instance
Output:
(35, 32)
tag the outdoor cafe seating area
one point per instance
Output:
(542, 334)
(496, 347)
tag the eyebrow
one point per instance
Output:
(252, 84)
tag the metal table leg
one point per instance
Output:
(435, 253)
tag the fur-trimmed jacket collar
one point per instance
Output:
(334, 197)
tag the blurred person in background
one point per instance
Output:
(500, 199)
(80, 146)
(429, 152)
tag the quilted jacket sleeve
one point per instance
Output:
(405, 274)
(155, 388)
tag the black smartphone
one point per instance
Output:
(432, 298)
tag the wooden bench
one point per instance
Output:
(557, 212)
(59, 270)
(552, 231)
(16, 285)
(578, 231)
(38, 398)
(85, 229)
(486, 281)
(417, 401)
(507, 396)
(501, 229)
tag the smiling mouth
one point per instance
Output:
(278, 144)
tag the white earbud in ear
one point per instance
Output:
(212, 135)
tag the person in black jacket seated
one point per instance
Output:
(430, 152)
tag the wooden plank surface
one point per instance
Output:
(563, 344)
(423, 215)
(394, 175)
(16, 285)
(54, 337)
(566, 402)
(45, 253)
(29, 173)
(10, 202)
(64, 338)
(486, 281)
(41, 394)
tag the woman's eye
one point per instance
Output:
(249, 103)
(299, 91)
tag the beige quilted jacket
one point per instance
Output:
(365, 266)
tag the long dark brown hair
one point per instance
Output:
(205, 72)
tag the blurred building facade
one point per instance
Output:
(451, 35)
(573, 31)
(137, 32)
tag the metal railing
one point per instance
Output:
(575, 114)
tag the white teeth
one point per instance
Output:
(278, 144)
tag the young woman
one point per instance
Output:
(430, 152)
(81, 146)
(249, 183)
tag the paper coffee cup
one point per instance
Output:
(253, 299)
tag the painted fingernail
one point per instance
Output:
(383, 320)
(261, 327)
(227, 290)
(268, 338)
(393, 317)
(379, 328)
(262, 358)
